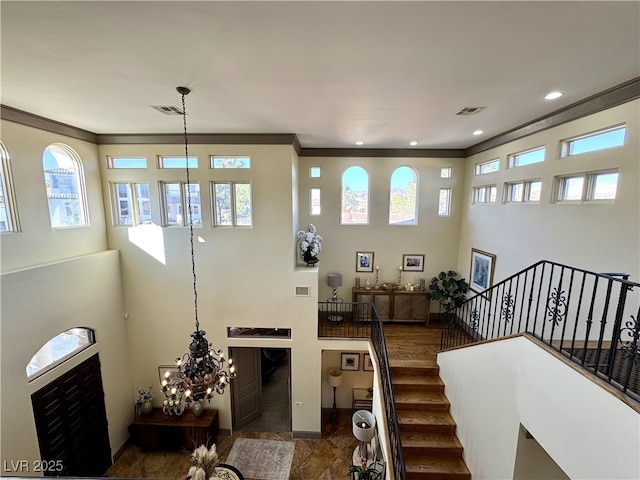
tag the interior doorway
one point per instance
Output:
(261, 393)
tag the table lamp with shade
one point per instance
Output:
(364, 429)
(334, 280)
(335, 380)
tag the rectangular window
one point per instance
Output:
(446, 172)
(485, 194)
(177, 162)
(132, 203)
(525, 191)
(488, 167)
(527, 158)
(315, 201)
(609, 138)
(444, 202)
(126, 162)
(230, 162)
(315, 172)
(598, 186)
(174, 203)
(232, 205)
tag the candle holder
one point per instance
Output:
(400, 276)
(377, 284)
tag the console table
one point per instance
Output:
(397, 305)
(157, 430)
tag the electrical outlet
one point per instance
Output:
(298, 404)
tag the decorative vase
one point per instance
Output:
(309, 259)
(197, 408)
(147, 407)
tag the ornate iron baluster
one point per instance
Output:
(557, 306)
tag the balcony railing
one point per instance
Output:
(590, 318)
(361, 320)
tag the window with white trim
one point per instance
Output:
(528, 157)
(523, 191)
(177, 162)
(403, 197)
(444, 202)
(126, 162)
(131, 203)
(355, 197)
(64, 181)
(231, 204)
(8, 211)
(218, 161)
(485, 194)
(314, 199)
(59, 349)
(487, 167)
(599, 186)
(446, 172)
(607, 138)
(175, 211)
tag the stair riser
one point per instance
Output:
(423, 407)
(437, 476)
(415, 371)
(436, 451)
(401, 388)
(427, 429)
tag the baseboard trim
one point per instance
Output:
(225, 431)
(312, 435)
(121, 450)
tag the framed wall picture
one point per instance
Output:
(482, 265)
(367, 364)
(350, 361)
(364, 261)
(168, 373)
(412, 262)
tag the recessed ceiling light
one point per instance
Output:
(359, 142)
(413, 144)
(478, 132)
(553, 95)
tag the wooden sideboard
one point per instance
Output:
(157, 430)
(397, 305)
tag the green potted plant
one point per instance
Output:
(362, 472)
(448, 290)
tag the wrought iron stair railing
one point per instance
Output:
(590, 318)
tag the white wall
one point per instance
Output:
(41, 302)
(496, 386)
(600, 238)
(350, 378)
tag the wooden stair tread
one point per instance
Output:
(430, 441)
(420, 397)
(417, 380)
(435, 463)
(417, 417)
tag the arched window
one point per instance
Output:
(403, 197)
(355, 197)
(60, 348)
(64, 179)
(8, 212)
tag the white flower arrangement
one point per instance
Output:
(145, 394)
(204, 463)
(309, 241)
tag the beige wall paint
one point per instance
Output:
(600, 238)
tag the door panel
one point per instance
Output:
(71, 422)
(247, 386)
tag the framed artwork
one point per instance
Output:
(412, 262)
(367, 364)
(168, 373)
(350, 361)
(482, 265)
(364, 261)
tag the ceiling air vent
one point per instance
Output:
(470, 110)
(167, 109)
(302, 290)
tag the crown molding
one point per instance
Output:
(30, 120)
(383, 152)
(199, 138)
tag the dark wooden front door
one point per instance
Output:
(71, 423)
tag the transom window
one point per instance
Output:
(524, 191)
(8, 212)
(315, 172)
(126, 162)
(174, 203)
(355, 197)
(315, 202)
(527, 157)
(485, 194)
(600, 186)
(609, 138)
(230, 162)
(232, 204)
(132, 203)
(444, 202)
(60, 348)
(177, 162)
(446, 172)
(64, 180)
(403, 197)
(487, 167)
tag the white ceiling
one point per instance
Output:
(385, 73)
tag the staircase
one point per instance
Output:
(430, 447)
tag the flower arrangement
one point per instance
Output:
(145, 394)
(364, 472)
(204, 462)
(309, 243)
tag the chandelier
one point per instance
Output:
(200, 372)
